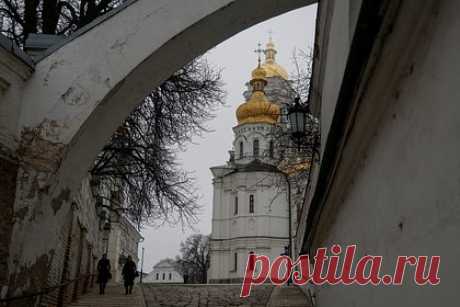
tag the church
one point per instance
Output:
(250, 200)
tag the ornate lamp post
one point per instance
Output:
(297, 115)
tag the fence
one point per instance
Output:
(55, 296)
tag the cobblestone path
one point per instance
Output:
(204, 295)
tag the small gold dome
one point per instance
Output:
(258, 109)
(272, 68)
(259, 73)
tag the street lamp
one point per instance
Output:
(301, 132)
(297, 115)
(142, 265)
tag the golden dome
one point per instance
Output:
(272, 68)
(258, 109)
(275, 70)
(259, 73)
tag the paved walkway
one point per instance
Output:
(163, 295)
(114, 297)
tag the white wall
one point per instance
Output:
(403, 198)
(156, 276)
(264, 232)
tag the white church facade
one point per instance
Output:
(250, 201)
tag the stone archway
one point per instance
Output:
(84, 88)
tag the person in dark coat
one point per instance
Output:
(129, 273)
(103, 273)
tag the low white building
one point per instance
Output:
(164, 272)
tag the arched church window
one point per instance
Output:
(251, 203)
(241, 150)
(255, 148)
(235, 206)
(271, 149)
(164, 276)
(158, 276)
(170, 276)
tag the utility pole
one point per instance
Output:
(142, 265)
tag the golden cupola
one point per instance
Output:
(258, 109)
(272, 68)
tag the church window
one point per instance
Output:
(235, 261)
(255, 148)
(235, 206)
(241, 150)
(158, 276)
(164, 276)
(271, 149)
(251, 203)
(170, 276)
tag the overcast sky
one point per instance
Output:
(237, 58)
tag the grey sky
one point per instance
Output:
(236, 57)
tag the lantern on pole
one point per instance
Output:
(297, 115)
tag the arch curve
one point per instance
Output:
(89, 85)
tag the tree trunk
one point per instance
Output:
(50, 16)
(30, 17)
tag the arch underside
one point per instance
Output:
(92, 98)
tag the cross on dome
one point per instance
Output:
(259, 51)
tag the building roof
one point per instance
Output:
(165, 263)
(256, 166)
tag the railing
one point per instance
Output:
(57, 296)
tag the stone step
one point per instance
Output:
(114, 297)
(285, 296)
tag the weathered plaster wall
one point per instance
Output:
(15, 69)
(403, 197)
(8, 170)
(74, 229)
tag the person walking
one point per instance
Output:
(103, 273)
(129, 274)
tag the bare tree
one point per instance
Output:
(301, 76)
(140, 159)
(193, 262)
(61, 17)
(296, 162)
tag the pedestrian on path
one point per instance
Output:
(103, 273)
(129, 273)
